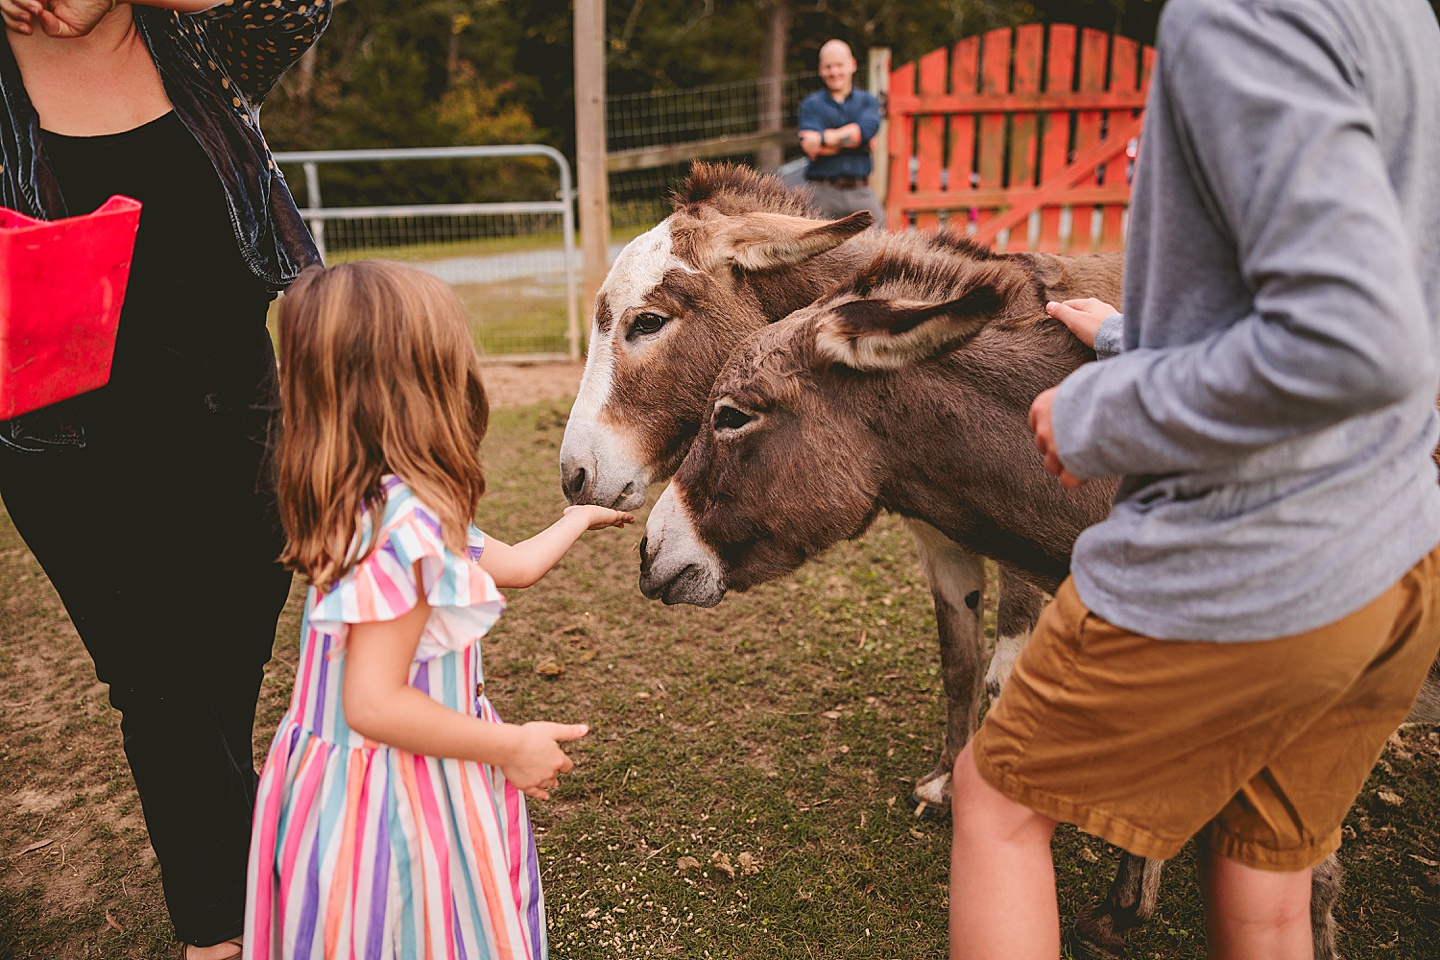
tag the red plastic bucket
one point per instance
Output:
(62, 283)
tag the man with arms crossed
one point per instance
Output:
(836, 127)
(1256, 616)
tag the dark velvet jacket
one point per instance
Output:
(217, 67)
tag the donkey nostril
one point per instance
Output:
(574, 485)
(644, 554)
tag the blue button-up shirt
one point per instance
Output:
(819, 112)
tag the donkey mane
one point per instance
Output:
(934, 267)
(950, 239)
(730, 189)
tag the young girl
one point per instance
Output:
(389, 820)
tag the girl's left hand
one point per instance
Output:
(536, 761)
(73, 18)
(597, 518)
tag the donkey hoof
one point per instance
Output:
(927, 809)
(1093, 937)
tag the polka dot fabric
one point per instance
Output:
(246, 44)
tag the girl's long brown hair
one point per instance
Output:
(378, 374)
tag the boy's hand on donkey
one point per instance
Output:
(1083, 317)
(536, 760)
(597, 518)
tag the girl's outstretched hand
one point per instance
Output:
(1083, 317)
(597, 518)
(536, 761)
(526, 562)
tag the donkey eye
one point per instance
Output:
(647, 323)
(731, 418)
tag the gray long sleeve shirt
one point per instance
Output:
(1273, 412)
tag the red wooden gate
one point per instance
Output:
(1028, 135)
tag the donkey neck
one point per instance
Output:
(959, 455)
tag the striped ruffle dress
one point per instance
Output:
(364, 851)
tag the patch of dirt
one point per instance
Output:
(62, 759)
(521, 384)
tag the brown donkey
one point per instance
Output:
(906, 390)
(740, 252)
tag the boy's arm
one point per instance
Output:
(1110, 337)
(1339, 327)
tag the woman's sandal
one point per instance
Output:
(185, 953)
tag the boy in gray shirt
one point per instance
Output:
(1258, 613)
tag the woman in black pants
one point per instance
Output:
(148, 501)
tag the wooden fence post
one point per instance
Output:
(594, 189)
(772, 82)
(878, 71)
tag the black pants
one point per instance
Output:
(162, 543)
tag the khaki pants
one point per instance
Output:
(836, 202)
(1264, 746)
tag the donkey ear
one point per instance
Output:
(876, 335)
(763, 241)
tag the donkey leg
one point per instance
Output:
(1098, 933)
(957, 584)
(1020, 606)
(1326, 882)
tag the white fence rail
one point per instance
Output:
(502, 257)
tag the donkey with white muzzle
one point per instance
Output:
(740, 252)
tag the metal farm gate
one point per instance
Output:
(1026, 135)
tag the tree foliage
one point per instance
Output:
(439, 72)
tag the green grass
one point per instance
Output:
(518, 316)
(782, 729)
(481, 246)
(512, 318)
(509, 317)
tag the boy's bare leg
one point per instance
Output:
(1255, 914)
(1002, 875)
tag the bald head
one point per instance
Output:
(837, 68)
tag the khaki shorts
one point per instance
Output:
(1262, 746)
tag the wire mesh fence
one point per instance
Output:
(497, 223)
(696, 115)
(663, 117)
(512, 262)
